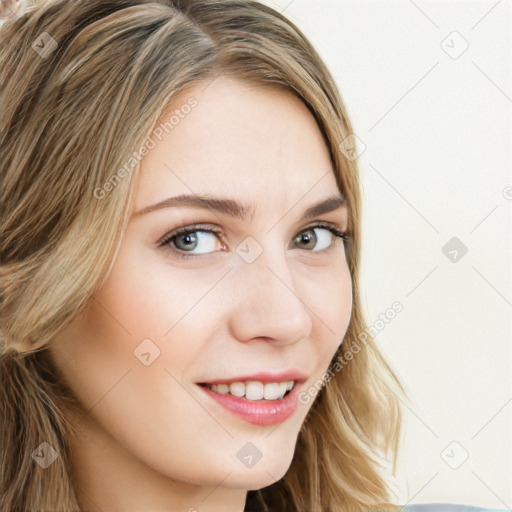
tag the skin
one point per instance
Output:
(152, 441)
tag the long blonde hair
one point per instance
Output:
(83, 85)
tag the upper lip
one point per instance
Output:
(277, 376)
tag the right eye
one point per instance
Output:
(191, 238)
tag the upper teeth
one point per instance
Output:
(254, 390)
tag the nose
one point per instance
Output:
(266, 302)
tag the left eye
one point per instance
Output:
(310, 238)
(188, 239)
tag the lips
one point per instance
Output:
(264, 377)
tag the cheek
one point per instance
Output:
(331, 313)
(137, 332)
(329, 298)
(148, 295)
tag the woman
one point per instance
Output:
(181, 317)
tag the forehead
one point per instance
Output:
(258, 144)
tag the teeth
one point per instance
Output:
(236, 388)
(253, 390)
(223, 389)
(274, 391)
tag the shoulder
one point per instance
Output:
(447, 507)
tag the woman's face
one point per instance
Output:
(268, 299)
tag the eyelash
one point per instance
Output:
(333, 228)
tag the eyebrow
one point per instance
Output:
(234, 208)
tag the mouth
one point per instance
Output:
(260, 399)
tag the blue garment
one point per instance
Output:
(448, 507)
(254, 503)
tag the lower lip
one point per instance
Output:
(260, 412)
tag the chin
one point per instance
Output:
(252, 481)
